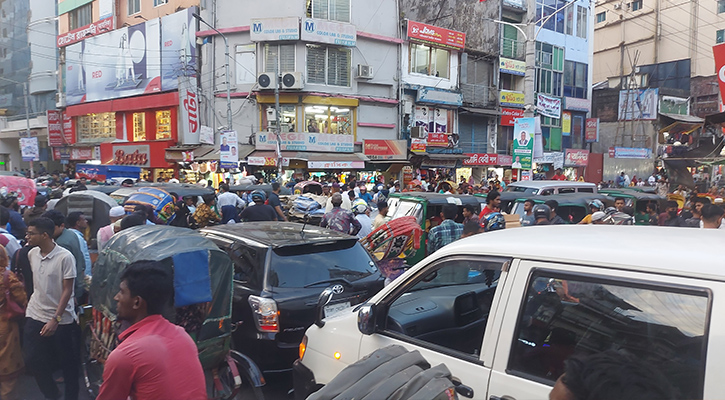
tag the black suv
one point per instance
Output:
(280, 269)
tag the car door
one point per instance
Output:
(558, 311)
(445, 312)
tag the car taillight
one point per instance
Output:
(265, 314)
(303, 346)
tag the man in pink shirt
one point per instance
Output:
(156, 359)
(105, 233)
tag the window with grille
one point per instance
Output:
(429, 60)
(581, 22)
(335, 10)
(328, 65)
(134, 6)
(81, 16)
(280, 56)
(549, 14)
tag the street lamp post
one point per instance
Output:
(226, 69)
(27, 113)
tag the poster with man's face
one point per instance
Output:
(523, 148)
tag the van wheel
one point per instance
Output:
(247, 391)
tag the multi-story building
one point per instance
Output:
(121, 66)
(337, 66)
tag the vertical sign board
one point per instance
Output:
(189, 110)
(206, 135)
(29, 149)
(55, 129)
(523, 143)
(591, 132)
(719, 53)
(228, 152)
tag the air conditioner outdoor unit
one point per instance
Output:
(267, 80)
(365, 71)
(60, 100)
(618, 6)
(292, 80)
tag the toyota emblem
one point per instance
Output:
(337, 289)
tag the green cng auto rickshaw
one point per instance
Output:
(202, 305)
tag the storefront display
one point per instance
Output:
(96, 127)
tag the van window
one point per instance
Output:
(566, 190)
(520, 189)
(564, 316)
(448, 306)
(546, 192)
(585, 190)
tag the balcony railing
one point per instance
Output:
(513, 48)
(478, 95)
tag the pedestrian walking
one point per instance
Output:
(69, 241)
(258, 211)
(228, 198)
(155, 358)
(76, 222)
(105, 233)
(275, 202)
(447, 232)
(11, 356)
(51, 332)
(382, 213)
(39, 207)
(340, 220)
(7, 240)
(362, 214)
(17, 225)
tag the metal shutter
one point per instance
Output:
(338, 64)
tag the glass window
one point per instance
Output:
(328, 119)
(134, 6)
(602, 16)
(248, 264)
(96, 128)
(287, 118)
(551, 14)
(160, 2)
(449, 305)
(581, 21)
(316, 265)
(328, 65)
(139, 127)
(569, 21)
(336, 10)
(163, 125)
(636, 5)
(81, 16)
(245, 61)
(281, 55)
(720, 6)
(575, 80)
(565, 316)
(428, 60)
(720, 36)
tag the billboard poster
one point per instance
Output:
(55, 129)
(591, 132)
(423, 118)
(29, 149)
(178, 52)
(566, 123)
(189, 110)
(332, 32)
(228, 152)
(417, 145)
(719, 54)
(638, 104)
(524, 129)
(273, 29)
(303, 141)
(576, 158)
(548, 106)
(509, 115)
(440, 120)
(206, 135)
(124, 62)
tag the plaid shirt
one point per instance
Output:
(341, 220)
(447, 232)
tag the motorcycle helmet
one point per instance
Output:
(258, 195)
(493, 222)
(542, 211)
(597, 204)
(360, 208)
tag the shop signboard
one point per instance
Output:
(417, 145)
(407, 175)
(505, 160)
(189, 110)
(576, 158)
(274, 29)
(513, 67)
(523, 143)
(178, 54)
(136, 155)
(437, 139)
(304, 141)
(481, 159)
(377, 149)
(105, 24)
(439, 96)
(632, 152)
(29, 149)
(82, 153)
(638, 104)
(326, 31)
(511, 98)
(719, 54)
(335, 164)
(133, 66)
(591, 131)
(69, 129)
(436, 35)
(55, 129)
(266, 161)
(576, 104)
(61, 153)
(555, 158)
(548, 106)
(566, 123)
(509, 115)
(228, 154)
(206, 135)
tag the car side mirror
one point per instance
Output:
(366, 319)
(322, 301)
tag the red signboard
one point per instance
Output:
(719, 52)
(591, 132)
(509, 115)
(76, 35)
(436, 35)
(69, 129)
(576, 158)
(436, 139)
(55, 129)
(385, 149)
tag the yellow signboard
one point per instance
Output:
(566, 123)
(509, 98)
(514, 67)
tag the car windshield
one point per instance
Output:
(406, 208)
(521, 189)
(300, 266)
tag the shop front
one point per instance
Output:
(387, 158)
(480, 166)
(147, 155)
(575, 163)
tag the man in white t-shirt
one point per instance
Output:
(227, 198)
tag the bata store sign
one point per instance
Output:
(138, 155)
(189, 110)
(576, 158)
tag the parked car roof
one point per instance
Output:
(439, 198)
(278, 234)
(589, 244)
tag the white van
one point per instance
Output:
(545, 188)
(503, 310)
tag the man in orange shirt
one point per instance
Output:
(493, 203)
(155, 359)
(559, 176)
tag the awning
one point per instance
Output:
(213, 155)
(684, 118)
(317, 160)
(481, 111)
(174, 154)
(443, 160)
(718, 118)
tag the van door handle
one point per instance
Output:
(501, 398)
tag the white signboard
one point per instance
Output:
(548, 106)
(206, 135)
(105, 9)
(303, 141)
(228, 151)
(271, 29)
(324, 31)
(335, 164)
(189, 110)
(29, 149)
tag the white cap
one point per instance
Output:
(598, 216)
(116, 212)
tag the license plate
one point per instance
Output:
(334, 309)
